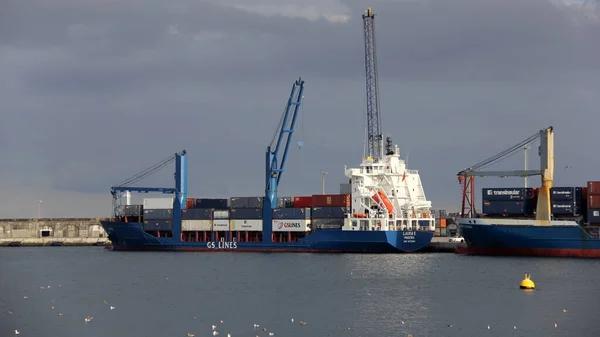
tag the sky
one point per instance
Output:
(94, 92)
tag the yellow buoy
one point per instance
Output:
(527, 283)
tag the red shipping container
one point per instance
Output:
(302, 202)
(190, 203)
(593, 187)
(331, 200)
(593, 201)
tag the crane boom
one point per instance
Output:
(374, 134)
(274, 165)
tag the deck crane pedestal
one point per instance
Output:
(467, 176)
(276, 164)
(180, 189)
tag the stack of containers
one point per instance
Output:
(285, 202)
(507, 201)
(218, 204)
(196, 220)
(158, 214)
(291, 219)
(565, 201)
(593, 203)
(221, 220)
(329, 210)
(131, 210)
(245, 214)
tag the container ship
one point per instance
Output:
(384, 210)
(544, 221)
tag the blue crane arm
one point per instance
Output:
(286, 130)
(115, 189)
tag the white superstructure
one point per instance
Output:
(386, 195)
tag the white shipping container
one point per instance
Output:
(293, 225)
(246, 225)
(221, 225)
(221, 215)
(158, 203)
(196, 225)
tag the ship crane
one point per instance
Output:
(467, 176)
(180, 189)
(275, 161)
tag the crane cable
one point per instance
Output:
(149, 171)
(505, 154)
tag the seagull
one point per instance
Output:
(489, 327)
(17, 332)
(112, 308)
(215, 333)
(555, 325)
(191, 334)
(564, 310)
(256, 325)
(292, 320)
(515, 327)
(214, 327)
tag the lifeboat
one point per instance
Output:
(381, 197)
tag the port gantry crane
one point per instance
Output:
(180, 189)
(467, 176)
(374, 136)
(275, 161)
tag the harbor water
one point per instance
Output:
(175, 294)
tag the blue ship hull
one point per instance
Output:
(522, 239)
(130, 236)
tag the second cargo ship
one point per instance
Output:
(385, 211)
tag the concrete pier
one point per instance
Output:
(52, 232)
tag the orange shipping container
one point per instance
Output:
(331, 200)
(190, 203)
(443, 223)
(594, 201)
(593, 187)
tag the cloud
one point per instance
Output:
(94, 92)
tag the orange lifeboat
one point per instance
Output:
(380, 197)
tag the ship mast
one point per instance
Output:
(374, 136)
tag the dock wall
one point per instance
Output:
(62, 231)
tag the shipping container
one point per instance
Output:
(291, 225)
(567, 207)
(221, 225)
(190, 203)
(443, 232)
(158, 214)
(291, 213)
(593, 201)
(131, 210)
(564, 193)
(437, 232)
(331, 200)
(219, 204)
(157, 225)
(303, 202)
(443, 223)
(243, 225)
(197, 214)
(506, 194)
(246, 202)
(346, 188)
(196, 225)
(504, 207)
(158, 203)
(593, 187)
(442, 213)
(327, 224)
(222, 214)
(246, 213)
(285, 202)
(593, 216)
(328, 212)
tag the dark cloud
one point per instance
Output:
(93, 93)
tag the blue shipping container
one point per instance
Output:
(328, 212)
(218, 204)
(157, 225)
(196, 214)
(158, 214)
(504, 207)
(131, 210)
(246, 213)
(506, 194)
(564, 193)
(246, 202)
(593, 216)
(291, 213)
(563, 207)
